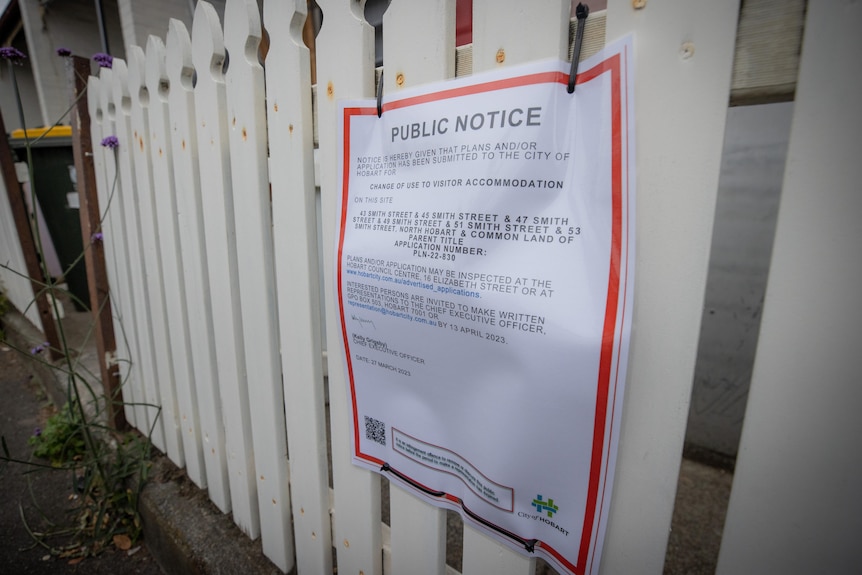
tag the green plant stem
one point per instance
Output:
(88, 439)
(35, 538)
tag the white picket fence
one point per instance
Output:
(211, 239)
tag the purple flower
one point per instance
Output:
(110, 142)
(37, 350)
(64, 52)
(37, 432)
(96, 237)
(12, 54)
(103, 60)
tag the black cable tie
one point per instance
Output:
(389, 469)
(581, 13)
(529, 544)
(380, 95)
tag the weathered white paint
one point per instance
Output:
(288, 96)
(134, 260)
(158, 142)
(112, 244)
(415, 55)
(510, 33)
(344, 73)
(208, 55)
(148, 228)
(184, 149)
(246, 111)
(795, 505)
(683, 58)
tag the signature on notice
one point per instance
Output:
(362, 321)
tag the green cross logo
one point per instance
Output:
(548, 505)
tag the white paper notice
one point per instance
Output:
(485, 277)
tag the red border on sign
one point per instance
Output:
(610, 337)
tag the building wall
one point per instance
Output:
(142, 19)
(749, 190)
(69, 24)
(26, 86)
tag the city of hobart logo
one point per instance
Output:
(544, 512)
(548, 505)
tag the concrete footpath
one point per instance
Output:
(184, 533)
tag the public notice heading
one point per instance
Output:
(485, 274)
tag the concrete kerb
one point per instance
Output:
(183, 530)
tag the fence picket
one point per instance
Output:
(185, 195)
(184, 149)
(136, 264)
(344, 74)
(415, 55)
(208, 55)
(174, 288)
(117, 165)
(98, 119)
(149, 235)
(246, 110)
(294, 215)
(509, 32)
(683, 63)
(485, 555)
(794, 507)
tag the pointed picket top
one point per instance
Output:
(245, 86)
(419, 43)
(345, 26)
(156, 74)
(243, 30)
(179, 66)
(106, 95)
(287, 50)
(137, 76)
(512, 32)
(208, 50)
(293, 14)
(93, 101)
(120, 86)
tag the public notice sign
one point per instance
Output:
(484, 277)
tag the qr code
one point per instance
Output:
(375, 430)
